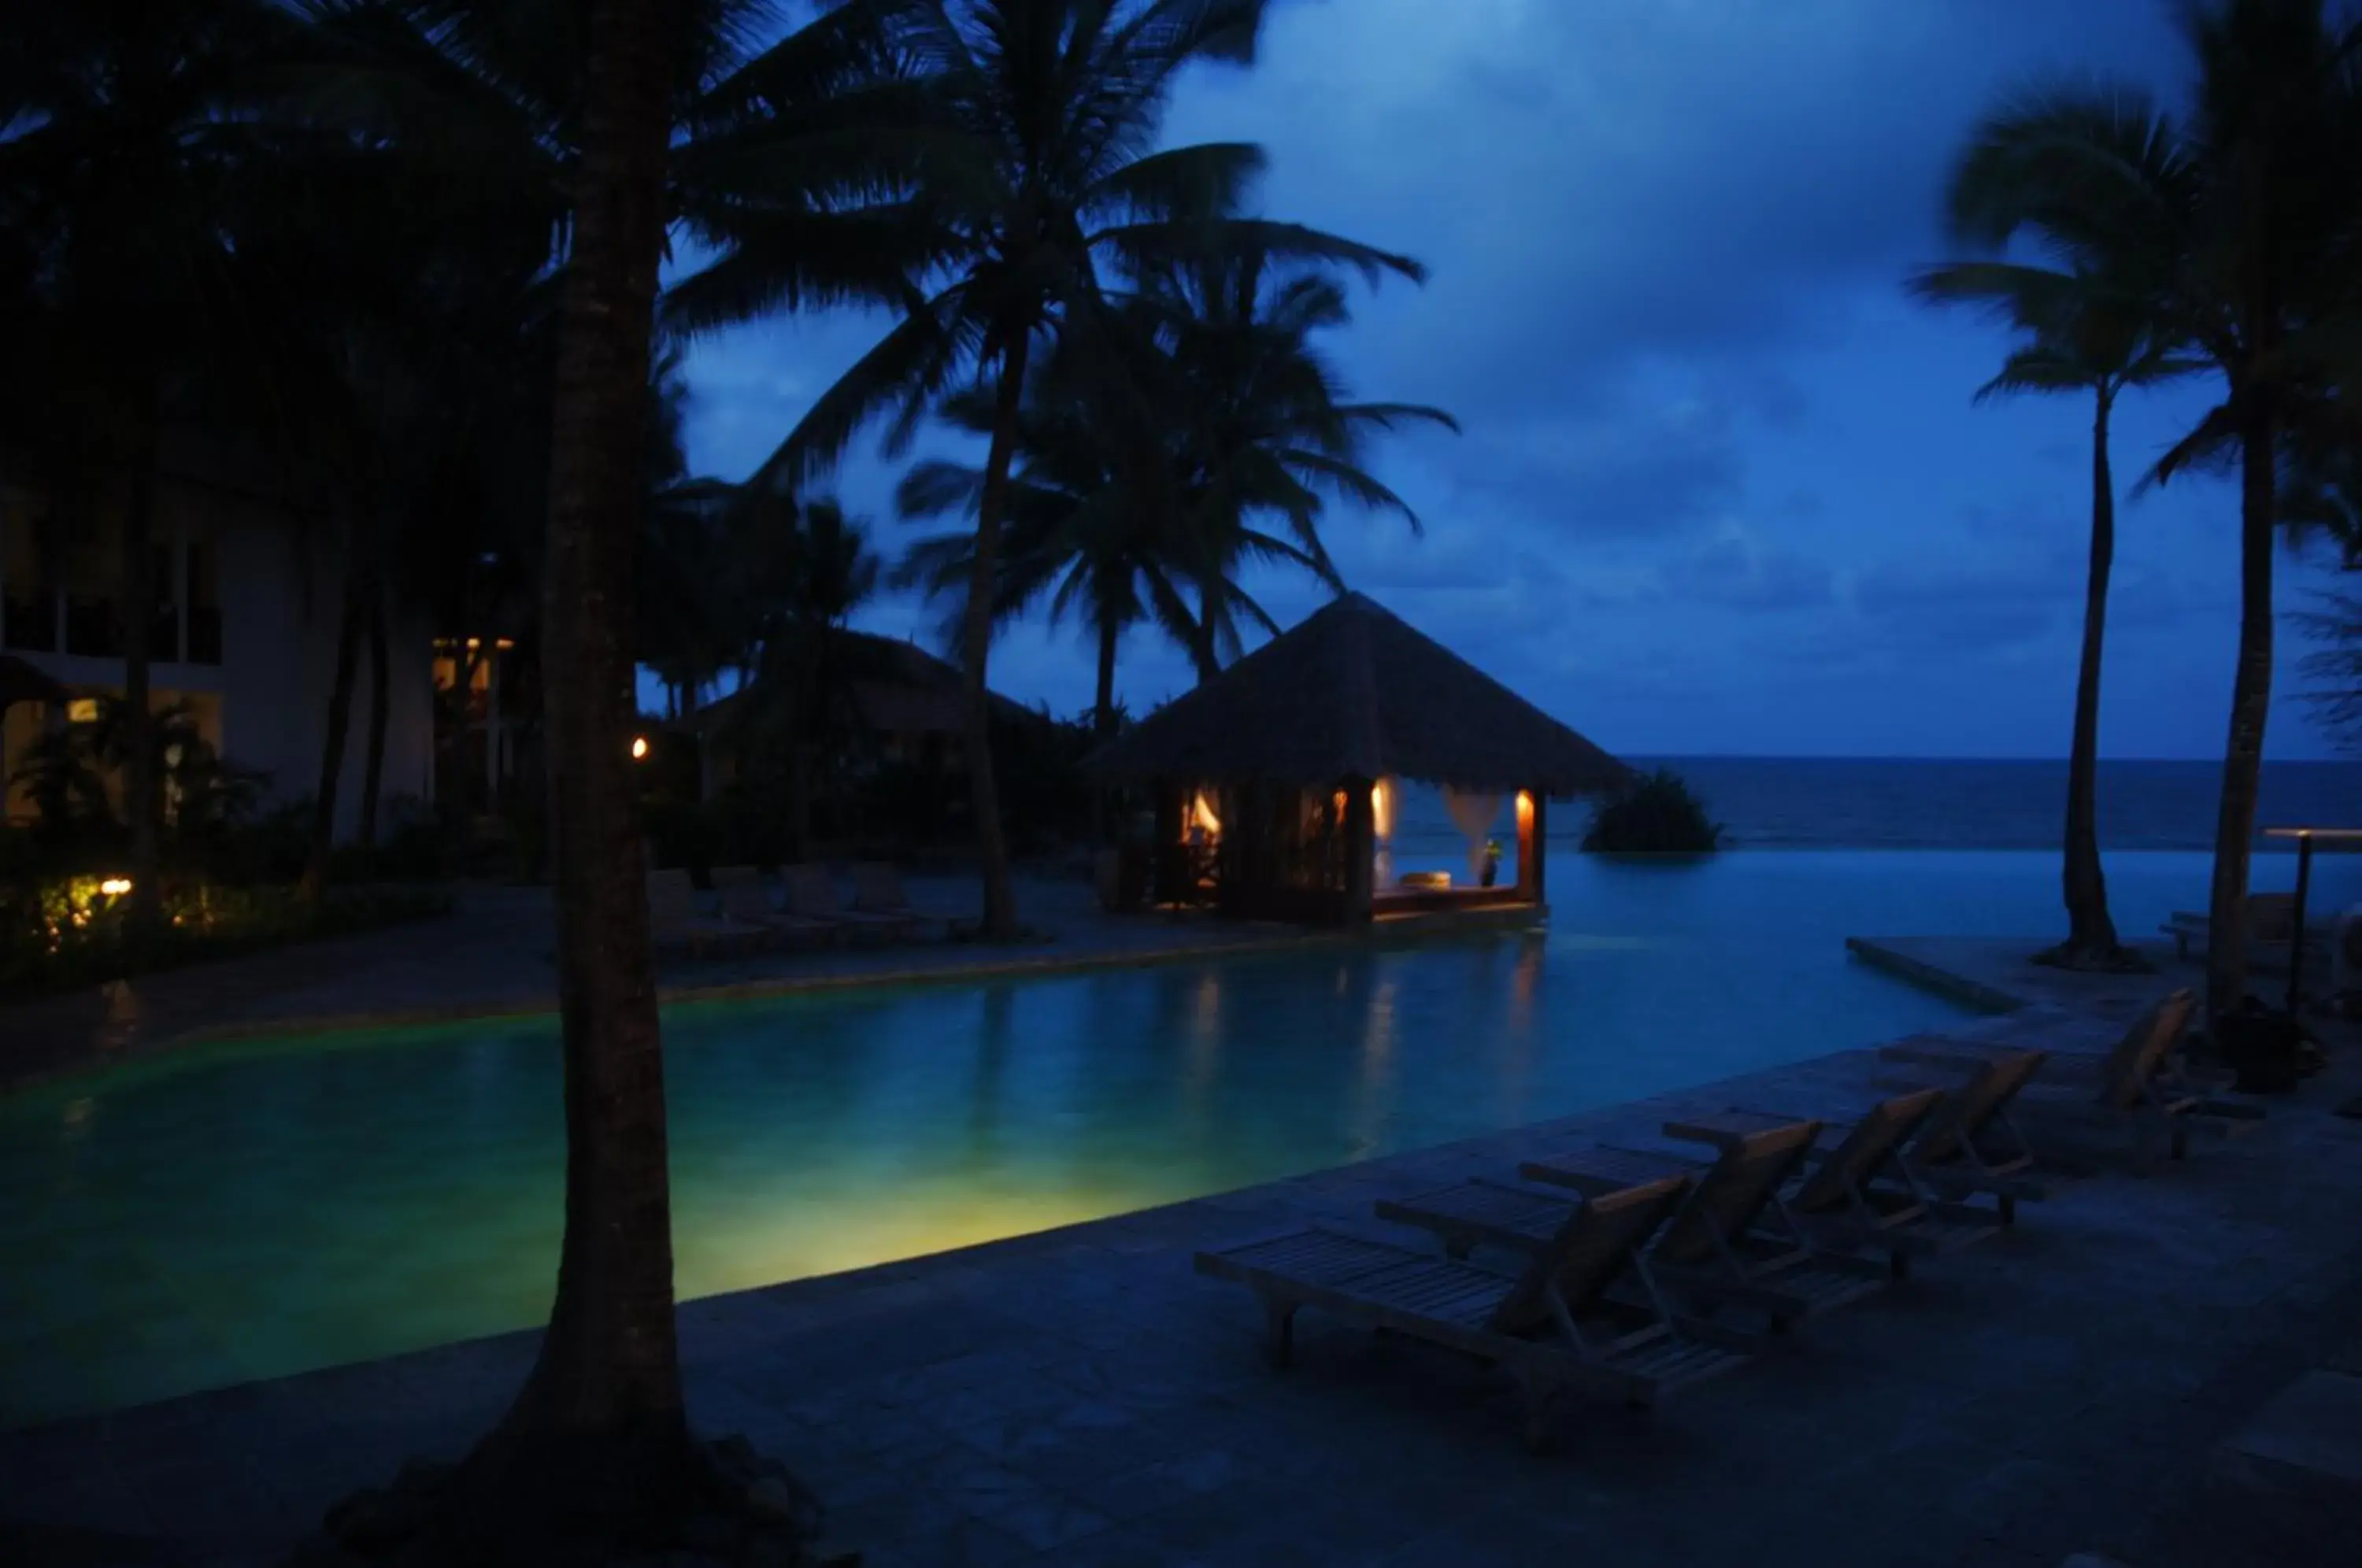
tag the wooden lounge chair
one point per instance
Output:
(812, 895)
(1969, 1145)
(1733, 1239)
(1839, 1203)
(2131, 1088)
(1862, 1190)
(679, 925)
(1552, 1325)
(878, 891)
(745, 898)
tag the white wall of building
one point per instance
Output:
(280, 602)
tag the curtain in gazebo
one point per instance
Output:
(1471, 811)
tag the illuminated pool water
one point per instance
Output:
(247, 1210)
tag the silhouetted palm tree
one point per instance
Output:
(1194, 433)
(2100, 334)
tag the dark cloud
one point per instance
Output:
(1736, 573)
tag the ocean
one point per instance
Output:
(1818, 802)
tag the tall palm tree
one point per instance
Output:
(1197, 432)
(2089, 334)
(595, 1453)
(1031, 179)
(121, 128)
(2248, 207)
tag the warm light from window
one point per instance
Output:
(82, 711)
(1202, 815)
(1382, 808)
(115, 887)
(639, 748)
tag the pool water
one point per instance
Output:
(246, 1211)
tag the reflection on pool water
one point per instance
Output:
(247, 1210)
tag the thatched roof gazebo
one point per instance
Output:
(1301, 742)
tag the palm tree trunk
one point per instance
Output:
(332, 746)
(141, 804)
(999, 913)
(1103, 816)
(608, 1374)
(2090, 934)
(2251, 696)
(1103, 709)
(373, 760)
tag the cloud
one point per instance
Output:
(1734, 571)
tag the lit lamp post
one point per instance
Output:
(2304, 837)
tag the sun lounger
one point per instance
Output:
(1862, 1188)
(678, 924)
(1733, 1239)
(1857, 1194)
(1970, 1145)
(878, 891)
(745, 898)
(2129, 1088)
(1552, 1325)
(812, 895)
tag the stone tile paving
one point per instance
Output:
(1082, 1396)
(492, 955)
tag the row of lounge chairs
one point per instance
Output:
(1632, 1273)
(747, 911)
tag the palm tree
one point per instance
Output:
(1153, 450)
(2100, 334)
(1028, 183)
(121, 128)
(596, 1453)
(2248, 208)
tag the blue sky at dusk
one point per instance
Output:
(1721, 487)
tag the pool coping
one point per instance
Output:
(1965, 988)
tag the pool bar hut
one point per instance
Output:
(1274, 783)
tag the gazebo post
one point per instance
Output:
(1532, 836)
(1361, 850)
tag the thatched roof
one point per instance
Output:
(1353, 693)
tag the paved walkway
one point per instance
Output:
(1081, 1397)
(492, 955)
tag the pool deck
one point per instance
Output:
(2121, 1373)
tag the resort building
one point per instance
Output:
(243, 641)
(1276, 782)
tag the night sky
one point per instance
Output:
(1721, 489)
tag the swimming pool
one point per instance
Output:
(246, 1211)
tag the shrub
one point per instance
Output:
(1659, 815)
(71, 931)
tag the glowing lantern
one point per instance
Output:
(639, 748)
(115, 887)
(1525, 811)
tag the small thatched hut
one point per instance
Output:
(1273, 781)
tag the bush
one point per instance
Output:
(68, 932)
(1659, 815)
